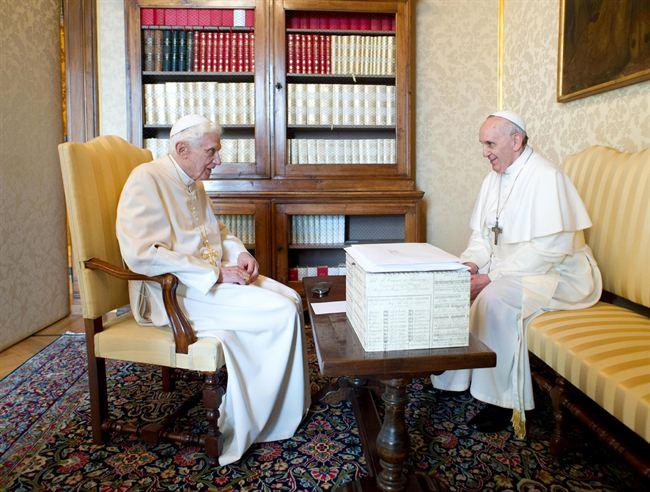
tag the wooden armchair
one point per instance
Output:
(94, 174)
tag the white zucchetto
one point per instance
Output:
(186, 122)
(512, 118)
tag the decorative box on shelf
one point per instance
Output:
(406, 296)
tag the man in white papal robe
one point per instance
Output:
(527, 255)
(165, 225)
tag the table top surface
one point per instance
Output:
(340, 352)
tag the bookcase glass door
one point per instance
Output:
(341, 84)
(206, 58)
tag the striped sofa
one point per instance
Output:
(604, 351)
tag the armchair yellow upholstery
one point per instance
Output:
(94, 174)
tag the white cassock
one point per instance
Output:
(541, 263)
(163, 218)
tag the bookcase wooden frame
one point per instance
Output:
(261, 167)
(272, 189)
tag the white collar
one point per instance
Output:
(519, 162)
(187, 180)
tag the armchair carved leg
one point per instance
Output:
(212, 396)
(557, 394)
(96, 382)
(168, 379)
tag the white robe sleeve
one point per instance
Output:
(535, 257)
(477, 251)
(232, 245)
(144, 231)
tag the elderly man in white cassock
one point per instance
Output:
(165, 225)
(526, 255)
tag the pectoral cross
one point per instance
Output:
(496, 230)
(209, 254)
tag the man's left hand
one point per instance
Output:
(477, 283)
(246, 261)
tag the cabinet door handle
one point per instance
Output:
(278, 86)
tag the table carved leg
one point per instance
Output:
(393, 440)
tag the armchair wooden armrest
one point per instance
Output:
(183, 333)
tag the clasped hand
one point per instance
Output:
(246, 271)
(477, 283)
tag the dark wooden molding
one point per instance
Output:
(80, 45)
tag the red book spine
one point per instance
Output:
(227, 60)
(335, 21)
(147, 17)
(375, 23)
(202, 58)
(385, 23)
(159, 17)
(204, 17)
(250, 18)
(181, 17)
(297, 53)
(252, 51)
(290, 53)
(196, 64)
(170, 17)
(344, 23)
(293, 274)
(392, 24)
(209, 52)
(364, 22)
(327, 50)
(309, 54)
(303, 22)
(216, 17)
(246, 67)
(192, 17)
(322, 271)
(313, 21)
(316, 55)
(228, 17)
(239, 42)
(220, 54)
(233, 52)
(355, 22)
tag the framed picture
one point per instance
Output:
(603, 44)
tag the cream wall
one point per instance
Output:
(33, 260)
(111, 48)
(456, 77)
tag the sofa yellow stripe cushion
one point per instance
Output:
(615, 187)
(605, 352)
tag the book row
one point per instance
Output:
(326, 54)
(317, 229)
(197, 17)
(227, 103)
(300, 272)
(358, 151)
(170, 50)
(242, 226)
(341, 104)
(233, 150)
(355, 21)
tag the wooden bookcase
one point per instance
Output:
(329, 116)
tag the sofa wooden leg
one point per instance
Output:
(557, 395)
(212, 396)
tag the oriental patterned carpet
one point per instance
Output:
(45, 441)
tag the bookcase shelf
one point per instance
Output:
(330, 78)
(149, 77)
(355, 32)
(267, 184)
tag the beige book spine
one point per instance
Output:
(358, 104)
(149, 107)
(311, 104)
(325, 103)
(301, 117)
(369, 105)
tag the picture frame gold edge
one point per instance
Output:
(607, 86)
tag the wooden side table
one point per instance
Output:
(340, 353)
